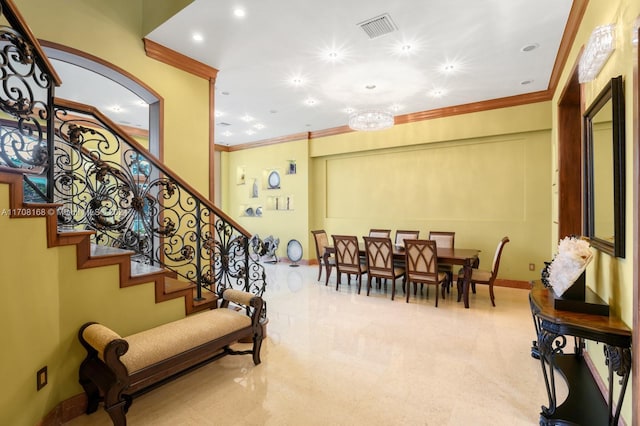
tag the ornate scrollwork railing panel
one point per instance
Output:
(105, 180)
(26, 94)
(114, 187)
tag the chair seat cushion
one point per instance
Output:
(397, 272)
(477, 275)
(422, 277)
(360, 269)
(159, 343)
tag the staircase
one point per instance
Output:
(100, 190)
(90, 255)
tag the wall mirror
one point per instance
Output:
(604, 169)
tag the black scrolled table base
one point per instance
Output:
(585, 404)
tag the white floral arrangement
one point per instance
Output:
(574, 254)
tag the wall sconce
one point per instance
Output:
(601, 44)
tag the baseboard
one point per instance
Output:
(66, 411)
(524, 285)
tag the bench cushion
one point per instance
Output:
(160, 343)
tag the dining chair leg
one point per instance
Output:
(436, 294)
(338, 274)
(368, 285)
(393, 289)
(408, 292)
(359, 282)
(319, 270)
(493, 300)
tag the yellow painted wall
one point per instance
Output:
(257, 163)
(612, 278)
(483, 188)
(112, 30)
(45, 298)
(45, 301)
(482, 175)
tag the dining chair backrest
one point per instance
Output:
(380, 233)
(379, 253)
(443, 239)
(347, 253)
(421, 257)
(496, 257)
(322, 241)
(405, 235)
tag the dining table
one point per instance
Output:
(465, 257)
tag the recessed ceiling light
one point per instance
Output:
(250, 132)
(448, 68)
(227, 133)
(437, 93)
(247, 118)
(239, 12)
(258, 126)
(349, 110)
(310, 101)
(116, 108)
(370, 86)
(530, 47)
(197, 37)
(218, 113)
(225, 93)
(396, 107)
(297, 81)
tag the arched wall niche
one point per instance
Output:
(112, 75)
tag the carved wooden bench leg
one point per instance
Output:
(93, 395)
(117, 413)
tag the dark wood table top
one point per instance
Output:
(567, 322)
(456, 256)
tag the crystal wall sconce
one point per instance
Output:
(601, 44)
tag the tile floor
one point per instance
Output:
(339, 358)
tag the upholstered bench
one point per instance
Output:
(117, 369)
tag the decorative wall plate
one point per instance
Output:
(274, 180)
(294, 251)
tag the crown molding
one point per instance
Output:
(265, 142)
(171, 57)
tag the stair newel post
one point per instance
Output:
(198, 251)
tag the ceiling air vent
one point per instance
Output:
(378, 26)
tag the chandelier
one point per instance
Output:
(371, 119)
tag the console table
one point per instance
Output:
(585, 404)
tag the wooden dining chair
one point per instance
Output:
(421, 258)
(480, 276)
(444, 239)
(379, 255)
(348, 259)
(322, 241)
(384, 233)
(405, 235)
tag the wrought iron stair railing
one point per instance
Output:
(106, 181)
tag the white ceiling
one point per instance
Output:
(258, 57)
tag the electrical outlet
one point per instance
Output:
(532, 266)
(41, 377)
